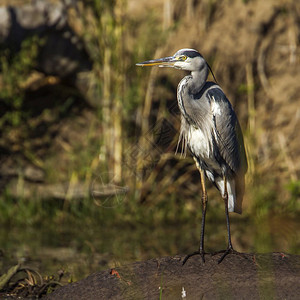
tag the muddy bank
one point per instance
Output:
(258, 276)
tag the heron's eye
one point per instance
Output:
(182, 57)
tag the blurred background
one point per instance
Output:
(89, 178)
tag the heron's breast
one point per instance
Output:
(199, 143)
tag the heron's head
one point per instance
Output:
(184, 59)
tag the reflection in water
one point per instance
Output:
(83, 237)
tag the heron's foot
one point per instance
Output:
(199, 252)
(229, 250)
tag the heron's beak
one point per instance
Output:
(161, 62)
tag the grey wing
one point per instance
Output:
(213, 114)
(228, 134)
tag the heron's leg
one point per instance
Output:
(229, 248)
(225, 198)
(204, 205)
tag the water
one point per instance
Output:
(87, 238)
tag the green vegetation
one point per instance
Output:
(15, 69)
(128, 140)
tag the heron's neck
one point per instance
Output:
(197, 80)
(190, 87)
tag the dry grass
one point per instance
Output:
(254, 36)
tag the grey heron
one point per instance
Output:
(211, 131)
